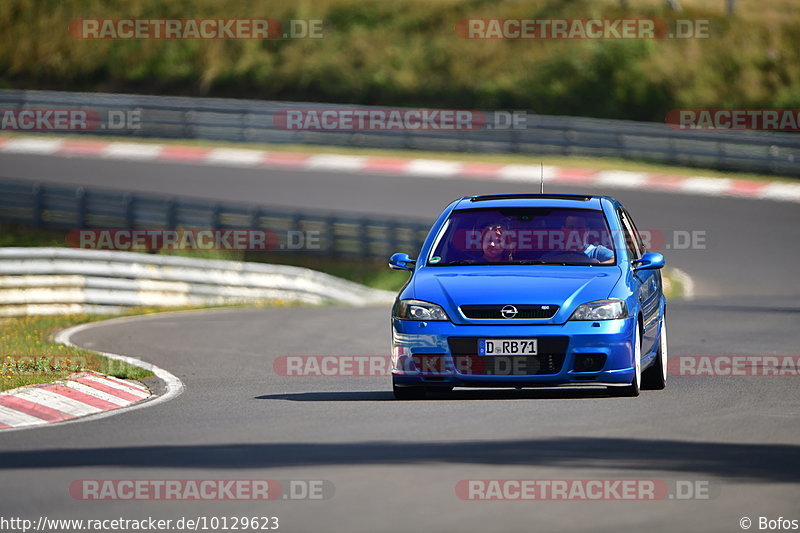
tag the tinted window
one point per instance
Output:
(524, 235)
(641, 246)
(632, 243)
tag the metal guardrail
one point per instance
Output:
(61, 280)
(253, 121)
(74, 208)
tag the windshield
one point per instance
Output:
(524, 235)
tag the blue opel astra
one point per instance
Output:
(530, 290)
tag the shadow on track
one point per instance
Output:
(764, 462)
(458, 394)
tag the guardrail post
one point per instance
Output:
(188, 123)
(673, 152)
(215, 216)
(129, 208)
(364, 238)
(296, 223)
(80, 208)
(172, 214)
(569, 135)
(330, 242)
(515, 141)
(774, 158)
(38, 205)
(391, 237)
(255, 218)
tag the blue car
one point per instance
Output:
(530, 290)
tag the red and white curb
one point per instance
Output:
(426, 168)
(67, 403)
(78, 395)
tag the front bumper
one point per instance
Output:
(415, 344)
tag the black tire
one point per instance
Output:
(632, 390)
(655, 377)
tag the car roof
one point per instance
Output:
(580, 201)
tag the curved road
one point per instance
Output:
(395, 465)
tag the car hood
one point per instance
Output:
(565, 286)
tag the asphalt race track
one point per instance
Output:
(395, 465)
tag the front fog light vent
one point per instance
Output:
(589, 362)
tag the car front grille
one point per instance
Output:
(495, 312)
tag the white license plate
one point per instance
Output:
(507, 346)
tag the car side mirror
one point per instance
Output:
(401, 261)
(649, 261)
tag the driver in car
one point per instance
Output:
(488, 245)
(494, 244)
(575, 231)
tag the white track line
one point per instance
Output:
(621, 178)
(134, 151)
(235, 157)
(432, 167)
(706, 185)
(528, 173)
(33, 146)
(781, 191)
(336, 162)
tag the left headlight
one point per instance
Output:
(418, 310)
(601, 310)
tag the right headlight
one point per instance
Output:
(418, 310)
(601, 310)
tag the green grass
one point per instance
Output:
(672, 285)
(407, 53)
(29, 355)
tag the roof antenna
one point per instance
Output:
(541, 181)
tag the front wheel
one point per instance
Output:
(632, 390)
(655, 377)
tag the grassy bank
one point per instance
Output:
(29, 355)
(408, 53)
